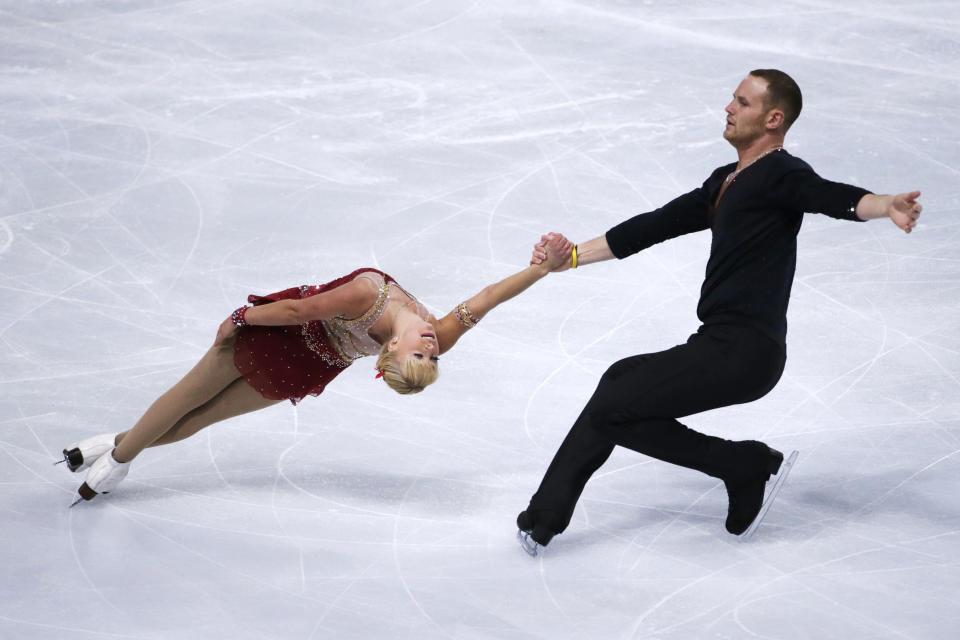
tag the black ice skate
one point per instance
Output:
(747, 506)
(533, 535)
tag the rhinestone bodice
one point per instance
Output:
(350, 337)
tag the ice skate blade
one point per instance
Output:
(75, 502)
(785, 468)
(527, 543)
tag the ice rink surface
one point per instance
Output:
(159, 160)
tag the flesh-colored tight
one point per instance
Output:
(210, 392)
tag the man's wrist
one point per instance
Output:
(872, 206)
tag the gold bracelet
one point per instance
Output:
(464, 316)
(573, 258)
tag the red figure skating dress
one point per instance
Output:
(292, 362)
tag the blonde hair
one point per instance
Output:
(410, 376)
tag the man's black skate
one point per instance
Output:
(746, 503)
(533, 535)
(785, 469)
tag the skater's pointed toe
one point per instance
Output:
(744, 505)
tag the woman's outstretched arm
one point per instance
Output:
(467, 314)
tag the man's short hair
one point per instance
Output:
(782, 93)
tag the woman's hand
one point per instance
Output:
(226, 331)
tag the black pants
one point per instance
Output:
(638, 400)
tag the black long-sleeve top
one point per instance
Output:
(753, 254)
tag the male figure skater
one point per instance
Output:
(753, 209)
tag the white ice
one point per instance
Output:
(159, 160)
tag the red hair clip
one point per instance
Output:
(379, 373)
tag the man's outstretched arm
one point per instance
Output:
(902, 208)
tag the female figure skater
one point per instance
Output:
(291, 344)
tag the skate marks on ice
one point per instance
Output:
(785, 469)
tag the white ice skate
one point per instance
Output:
(104, 475)
(84, 453)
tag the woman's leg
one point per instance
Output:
(212, 374)
(235, 400)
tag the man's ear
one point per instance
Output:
(775, 119)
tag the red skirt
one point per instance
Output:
(295, 361)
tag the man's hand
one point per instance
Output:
(558, 250)
(904, 210)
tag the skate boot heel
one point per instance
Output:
(103, 477)
(73, 458)
(83, 454)
(774, 461)
(542, 535)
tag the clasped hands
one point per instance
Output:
(553, 251)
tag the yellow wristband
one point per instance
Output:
(573, 258)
